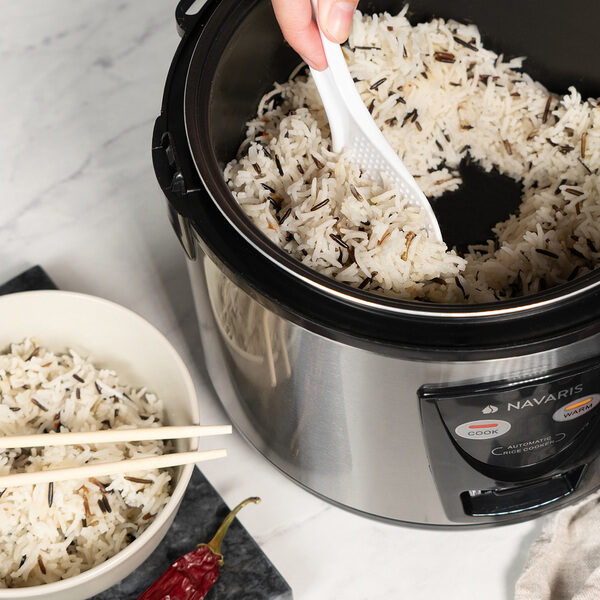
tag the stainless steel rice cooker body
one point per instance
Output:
(411, 412)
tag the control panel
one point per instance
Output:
(497, 448)
(519, 424)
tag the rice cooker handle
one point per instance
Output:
(171, 180)
(186, 21)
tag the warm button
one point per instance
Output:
(576, 408)
(482, 430)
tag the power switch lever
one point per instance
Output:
(485, 503)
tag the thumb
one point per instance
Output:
(335, 18)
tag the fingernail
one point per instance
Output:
(339, 21)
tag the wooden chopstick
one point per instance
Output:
(110, 468)
(107, 436)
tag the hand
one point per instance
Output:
(300, 30)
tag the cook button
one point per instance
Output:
(576, 408)
(482, 430)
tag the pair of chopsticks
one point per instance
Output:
(107, 436)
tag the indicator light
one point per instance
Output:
(578, 404)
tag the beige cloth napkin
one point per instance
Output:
(564, 562)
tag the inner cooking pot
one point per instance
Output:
(234, 53)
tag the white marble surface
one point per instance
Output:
(80, 86)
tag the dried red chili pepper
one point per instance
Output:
(191, 576)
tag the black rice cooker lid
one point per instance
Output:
(189, 170)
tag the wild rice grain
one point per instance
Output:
(285, 216)
(356, 194)
(445, 57)
(138, 479)
(97, 483)
(86, 507)
(41, 565)
(383, 237)
(585, 166)
(378, 83)
(410, 236)
(317, 162)
(408, 116)
(546, 253)
(547, 109)
(39, 404)
(574, 192)
(320, 205)
(338, 240)
(465, 44)
(278, 164)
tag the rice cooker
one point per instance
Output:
(447, 415)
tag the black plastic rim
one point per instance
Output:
(541, 321)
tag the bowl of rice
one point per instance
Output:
(72, 362)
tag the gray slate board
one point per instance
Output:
(247, 573)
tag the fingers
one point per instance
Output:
(299, 29)
(335, 18)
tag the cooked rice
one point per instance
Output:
(64, 531)
(468, 101)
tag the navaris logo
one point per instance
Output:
(546, 398)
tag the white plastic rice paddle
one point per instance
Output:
(354, 131)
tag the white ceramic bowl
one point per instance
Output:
(113, 337)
